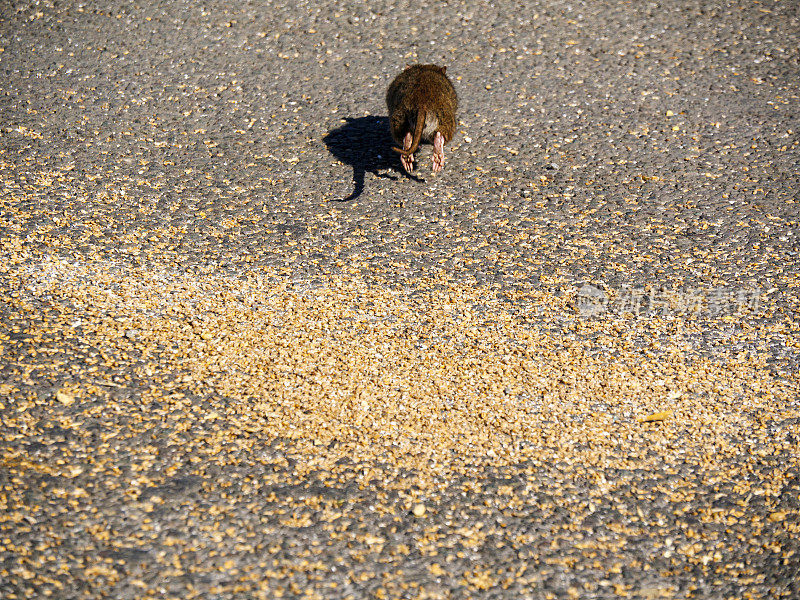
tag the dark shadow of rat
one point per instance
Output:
(365, 144)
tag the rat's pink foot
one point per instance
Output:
(438, 152)
(407, 160)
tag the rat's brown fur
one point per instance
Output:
(422, 108)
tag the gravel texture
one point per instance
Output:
(243, 355)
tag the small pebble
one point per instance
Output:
(659, 416)
(65, 398)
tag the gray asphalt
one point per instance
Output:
(626, 150)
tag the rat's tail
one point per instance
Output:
(420, 125)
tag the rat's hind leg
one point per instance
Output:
(407, 159)
(438, 152)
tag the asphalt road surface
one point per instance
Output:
(244, 355)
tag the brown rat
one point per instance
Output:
(422, 108)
